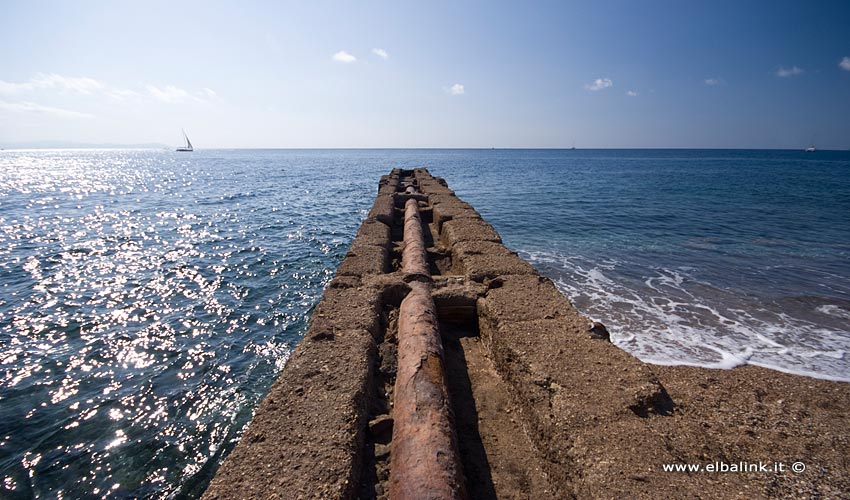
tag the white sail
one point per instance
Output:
(188, 146)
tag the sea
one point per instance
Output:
(149, 298)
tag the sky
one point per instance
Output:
(480, 74)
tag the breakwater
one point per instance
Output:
(539, 403)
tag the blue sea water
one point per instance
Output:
(148, 299)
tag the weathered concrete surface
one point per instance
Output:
(373, 233)
(469, 229)
(304, 439)
(502, 461)
(363, 259)
(480, 259)
(545, 409)
(383, 209)
(447, 207)
(347, 303)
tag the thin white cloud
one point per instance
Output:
(83, 85)
(631, 93)
(31, 107)
(14, 88)
(344, 57)
(89, 86)
(783, 72)
(208, 94)
(714, 82)
(173, 94)
(845, 64)
(599, 84)
(456, 89)
(169, 93)
(381, 53)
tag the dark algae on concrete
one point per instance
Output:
(542, 405)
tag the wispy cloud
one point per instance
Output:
(714, 82)
(169, 93)
(173, 94)
(83, 85)
(631, 93)
(845, 64)
(784, 72)
(456, 89)
(344, 57)
(90, 86)
(599, 84)
(13, 88)
(209, 94)
(381, 53)
(31, 107)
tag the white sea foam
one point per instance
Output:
(670, 317)
(834, 310)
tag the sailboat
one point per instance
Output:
(188, 146)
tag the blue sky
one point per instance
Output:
(428, 74)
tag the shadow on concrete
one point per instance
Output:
(476, 467)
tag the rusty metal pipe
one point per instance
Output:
(414, 258)
(424, 459)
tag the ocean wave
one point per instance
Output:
(673, 317)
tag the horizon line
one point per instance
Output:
(541, 148)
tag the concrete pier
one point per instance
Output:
(527, 396)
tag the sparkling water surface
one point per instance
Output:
(148, 299)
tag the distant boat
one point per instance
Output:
(188, 146)
(811, 149)
(574, 146)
